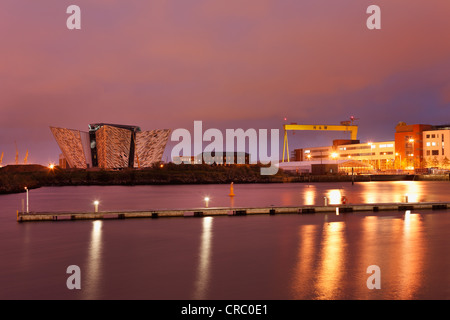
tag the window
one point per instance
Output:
(428, 144)
(433, 136)
(428, 152)
(433, 144)
(434, 152)
(428, 136)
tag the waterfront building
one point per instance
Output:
(213, 158)
(415, 147)
(110, 146)
(436, 147)
(409, 145)
(371, 155)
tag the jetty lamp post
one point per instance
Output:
(26, 189)
(206, 201)
(96, 205)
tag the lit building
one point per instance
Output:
(225, 158)
(219, 158)
(374, 155)
(436, 147)
(409, 144)
(111, 146)
(416, 146)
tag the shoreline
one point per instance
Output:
(16, 178)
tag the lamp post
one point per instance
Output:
(26, 189)
(206, 201)
(96, 205)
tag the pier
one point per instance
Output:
(229, 211)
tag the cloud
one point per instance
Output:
(166, 63)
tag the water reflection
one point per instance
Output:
(231, 202)
(93, 273)
(332, 261)
(301, 283)
(310, 195)
(394, 191)
(413, 190)
(203, 271)
(370, 254)
(334, 196)
(412, 256)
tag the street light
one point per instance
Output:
(96, 202)
(26, 189)
(206, 201)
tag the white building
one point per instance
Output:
(379, 155)
(436, 147)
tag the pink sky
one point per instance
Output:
(231, 64)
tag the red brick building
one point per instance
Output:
(409, 145)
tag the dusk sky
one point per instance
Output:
(162, 64)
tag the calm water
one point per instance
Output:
(316, 256)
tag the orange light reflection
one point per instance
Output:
(331, 261)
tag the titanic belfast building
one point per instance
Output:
(111, 146)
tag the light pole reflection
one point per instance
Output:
(93, 273)
(203, 271)
(412, 256)
(305, 261)
(332, 261)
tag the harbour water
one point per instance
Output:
(314, 256)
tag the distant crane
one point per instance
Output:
(26, 158)
(1, 159)
(349, 122)
(17, 153)
(347, 126)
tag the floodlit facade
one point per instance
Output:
(111, 146)
(436, 148)
(374, 155)
(416, 147)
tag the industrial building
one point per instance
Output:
(110, 146)
(215, 158)
(415, 147)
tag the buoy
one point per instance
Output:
(344, 199)
(231, 190)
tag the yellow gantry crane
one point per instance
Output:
(345, 126)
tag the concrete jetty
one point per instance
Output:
(228, 211)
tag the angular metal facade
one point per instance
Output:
(69, 141)
(150, 147)
(111, 146)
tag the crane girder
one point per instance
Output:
(314, 127)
